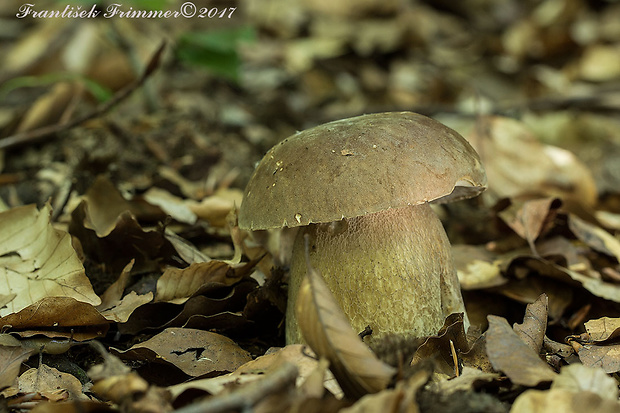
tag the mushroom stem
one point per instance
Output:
(391, 270)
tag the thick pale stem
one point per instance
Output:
(391, 270)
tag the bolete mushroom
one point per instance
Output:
(360, 188)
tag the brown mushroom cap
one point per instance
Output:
(357, 166)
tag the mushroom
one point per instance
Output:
(360, 189)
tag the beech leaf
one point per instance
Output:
(509, 354)
(38, 261)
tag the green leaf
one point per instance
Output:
(100, 92)
(215, 51)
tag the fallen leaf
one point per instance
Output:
(517, 164)
(400, 399)
(510, 355)
(477, 267)
(562, 400)
(58, 317)
(297, 354)
(173, 206)
(11, 359)
(579, 378)
(195, 352)
(328, 332)
(48, 381)
(532, 218)
(439, 347)
(603, 329)
(532, 331)
(177, 285)
(38, 261)
(597, 238)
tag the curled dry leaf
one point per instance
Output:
(601, 350)
(68, 317)
(603, 329)
(38, 261)
(298, 354)
(328, 332)
(532, 331)
(177, 285)
(510, 355)
(400, 399)
(114, 306)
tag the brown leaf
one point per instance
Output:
(605, 357)
(195, 352)
(48, 380)
(328, 332)
(11, 358)
(534, 326)
(510, 355)
(58, 317)
(603, 329)
(518, 164)
(401, 399)
(177, 285)
(297, 354)
(531, 218)
(451, 334)
(597, 238)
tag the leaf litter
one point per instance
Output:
(118, 237)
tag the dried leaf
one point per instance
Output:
(603, 329)
(70, 319)
(530, 219)
(579, 378)
(11, 359)
(518, 164)
(177, 285)
(477, 267)
(597, 238)
(38, 261)
(401, 399)
(439, 347)
(328, 332)
(605, 357)
(534, 326)
(562, 400)
(510, 355)
(596, 286)
(195, 352)
(171, 205)
(48, 380)
(104, 206)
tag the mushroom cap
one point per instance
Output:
(357, 166)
